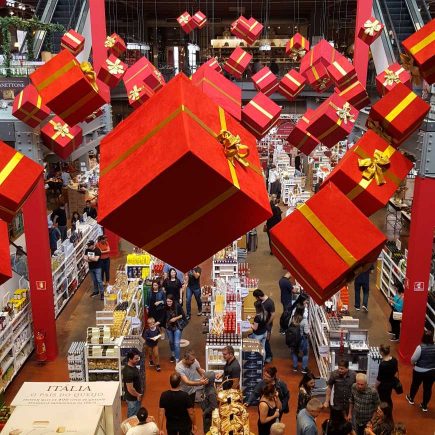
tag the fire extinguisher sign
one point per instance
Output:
(41, 285)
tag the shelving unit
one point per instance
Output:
(225, 263)
(76, 361)
(213, 353)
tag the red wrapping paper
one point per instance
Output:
(137, 95)
(28, 107)
(200, 19)
(265, 81)
(112, 71)
(247, 29)
(318, 78)
(5, 259)
(186, 22)
(296, 238)
(73, 42)
(297, 47)
(323, 52)
(299, 136)
(291, 85)
(143, 72)
(342, 72)
(237, 63)
(370, 30)
(211, 63)
(387, 79)
(355, 94)
(115, 45)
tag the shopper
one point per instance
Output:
(76, 218)
(180, 275)
(193, 289)
(337, 424)
(396, 306)
(274, 182)
(59, 216)
(306, 386)
(157, 303)
(146, 425)
(92, 256)
(274, 219)
(297, 338)
(269, 409)
(423, 359)
(269, 307)
(306, 419)
(231, 374)
(152, 335)
(387, 375)
(209, 401)
(362, 281)
(259, 326)
(277, 429)
(54, 236)
(175, 321)
(132, 384)
(177, 407)
(103, 246)
(19, 262)
(286, 289)
(363, 403)
(173, 286)
(90, 211)
(341, 380)
(382, 423)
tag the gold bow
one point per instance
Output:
(109, 42)
(372, 27)
(297, 53)
(379, 130)
(374, 167)
(344, 112)
(89, 72)
(115, 67)
(183, 19)
(159, 76)
(390, 77)
(233, 149)
(61, 129)
(134, 94)
(323, 84)
(408, 64)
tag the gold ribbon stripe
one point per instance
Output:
(292, 79)
(234, 68)
(136, 73)
(78, 104)
(29, 115)
(400, 107)
(59, 132)
(349, 88)
(73, 38)
(265, 76)
(330, 129)
(260, 109)
(241, 57)
(423, 43)
(10, 166)
(339, 68)
(57, 74)
(314, 71)
(287, 92)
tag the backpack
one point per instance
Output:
(293, 336)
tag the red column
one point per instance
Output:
(361, 49)
(39, 264)
(418, 266)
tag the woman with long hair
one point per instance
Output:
(388, 370)
(337, 424)
(175, 320)
(306, 386)
(269, 409)
(396, 306)
(259, 329)
(382, 422)
(299, 320)
(173, 286)
(103, 246)
(157, 303)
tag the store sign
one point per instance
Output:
(419, 286)
(10, 87)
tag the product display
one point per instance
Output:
(5, 262)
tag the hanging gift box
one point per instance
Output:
(186, 22)
(28, 107)
(318, 78)
(249, 30)
(67, 87)
(143, 72)
(213, 64)
(342, 72)
(111, 71)
(138, 95)
(370, 172)
(61, 138)
(94, 115)
(265, 81)
(237, 63)
(18, 177)
(291, 85)
(387, 79)
(300, 137)
(355, 94)
(370, 31)
(222, 91)
(73, 42)
(5, 258)
(332, 227)
(115, 45)
(260, 115)
(200, 19)
(397, 115)
(421, 46)
(297, 47)
(211, 155)
(323, 52)
(333, 120)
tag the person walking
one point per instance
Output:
(297, 338)
(132, 384)
(90, 211)
(146, 425)
(157, 303)
(363, 403)
(232, 370)
(59, 217)
(92, 256)
(306, 419)
(269, 409)
(286, 290)
(173, 286)
(175, 321)
(396, 307)
(103, 246)
(423, 359)
(209, 402)
(337, 424)
(152, 336)
(54, 236)
(269, 307)
(259, 326)
(274, 219)
(362, 281)
(387, 375)
(382, 422)
(176, 406)
(193, 289)
(306, 386)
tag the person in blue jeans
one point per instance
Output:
(131, 380)
(299, 319)
(93, 257)
(362, 281)
(259, 326)
(396, 306)
(175, 320)
(193, 289)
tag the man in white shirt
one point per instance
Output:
(146, 425)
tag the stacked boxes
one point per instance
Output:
(252, 370)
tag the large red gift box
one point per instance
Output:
(212, 161)
(370, 30)
(18, 177)
(222, 91)
(260, 115)
(137, 95)
(143, 71)
(67, 87)
(332, 227)
(342, 72)
(5, 259)
(115, 45)
(387, 79)
(211, 63)
(297, 47)
(323, 52)
(61, 138)
(398, 114)
(200, 19)
(299, 136)
(186, 22)
(237, 63)
(265, 81)
(355, 94)
(370, 172)
(318, 77)
(421, 46)
(333, 120)
(28, 107)
(291, 84)
(249, 30)
(111, 71)
(73, 41)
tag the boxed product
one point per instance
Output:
(299, 136)
(318, 77)
(19, 175)
(237, 63)
(143, 72)
(212, 161)
(200, 19)
(112, 70)
(398, 114)
(265, 81)
(370, 31)
(342, 72)
(115, 45)
(5, 261)
(370, 172)
(186, 22)
(342, 237)
(249, 30)
(73, 42)
(387, 79)
(355, 94)
(28, 107)
(291, 84)
(297, 47)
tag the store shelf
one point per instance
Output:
(22, 328)
(7, 364)
(103, 371)
(5, 353)
(23, 345)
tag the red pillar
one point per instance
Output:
(418, 266)
(361, 49)
(39, 264)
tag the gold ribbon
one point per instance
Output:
(61, 130)
(110, 42)
(116, 67)
(134, 94)
(183, 19)
(391, 77)
(375, 166)
(158, 75)
(379, 130)
(297, 53)
(372, 27)
(89, 72)
(408, 64)
(10, 166)
(33, 113)
(323, 84)
(233, 148)
(344, 112)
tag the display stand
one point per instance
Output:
(225, 264)
(252, 365)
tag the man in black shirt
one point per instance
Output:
(90, 211)
(132, 384)
(194, 289)
(231, 369)
(269, 307)
(177, 407)
(59, 216)
(92, 256)
(286, 288)
(274, 219)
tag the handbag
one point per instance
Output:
(397, 315)
(182, 323)
(398, 387)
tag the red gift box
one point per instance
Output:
(343, 239)
(28, 107)
(111, 71)
(213, 64)
(186, 22)
(249, 30)
(222, 91)
(421, 46)
(239, 27)
(137, 95)
(323, 52)
(73, 42)
(299, 136)
(237, 63)
(342, 72)
(211, 155)
(260, 115)
(397, 115)
(387, 79)
(18, 177)
(200, 19)
(297, 47)
(143, 72)
(61, 138)
(265, 81)
(68, 88)
(333, 120)
(94, 115)
(291, 84)
(115, 45)
(370, 172)
(5, 259)
(318, 77)
(355, 94)
(370, 30)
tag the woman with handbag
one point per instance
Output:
(387, 379)
(396, 313)
(175, 321)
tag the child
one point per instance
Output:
(151, 336)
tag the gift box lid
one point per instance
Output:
(262, 110)
(72, 38)
(421, 44)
